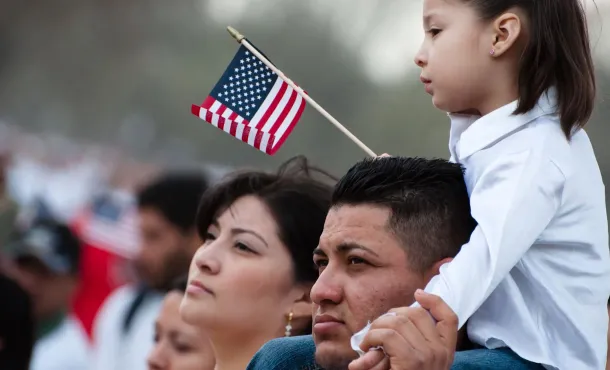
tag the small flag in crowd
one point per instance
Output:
(252, 104)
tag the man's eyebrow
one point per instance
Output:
(346, 247)
(318, 252)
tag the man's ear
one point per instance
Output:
(435, 269)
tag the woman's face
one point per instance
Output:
(178, 345)
(242, 276)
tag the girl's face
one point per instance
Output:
(178, 345)
(241, 278)
(455, 55)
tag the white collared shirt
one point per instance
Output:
(535, 275)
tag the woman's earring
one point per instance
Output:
(288, 325)
(492, 51)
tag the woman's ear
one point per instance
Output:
(302, 306)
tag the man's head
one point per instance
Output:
(393, 222)
(167, 210)
(46, 264)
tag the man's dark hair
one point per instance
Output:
(180, 284)
(176, 197)
(428, 200)
(16, 326)
(294, 196)
(558, 54)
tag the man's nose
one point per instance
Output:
(327, 288)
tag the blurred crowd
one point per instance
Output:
(95, 250)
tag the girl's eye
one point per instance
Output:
(434, 31)
(209, 236)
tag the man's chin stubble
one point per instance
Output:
(330, 362)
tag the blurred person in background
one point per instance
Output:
(124, 327)
(250, 280)
(46, 260)
(16, 326)
(178, 345)
(8, 208)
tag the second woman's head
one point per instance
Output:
(254, 270)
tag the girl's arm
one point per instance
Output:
(513, 202)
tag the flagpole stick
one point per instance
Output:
(242, 40)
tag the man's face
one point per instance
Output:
(364, 272)
(165, 251)
(51, 293)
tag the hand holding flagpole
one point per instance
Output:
(242, 40)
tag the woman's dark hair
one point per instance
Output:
(294, 196)
(558, 54)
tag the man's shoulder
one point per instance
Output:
(293, 353)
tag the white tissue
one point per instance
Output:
(357, 338)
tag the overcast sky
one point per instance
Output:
(386, 39)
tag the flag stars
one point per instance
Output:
(241, 61)
(259, 97)
(242, 68)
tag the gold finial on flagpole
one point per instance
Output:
(235, 33)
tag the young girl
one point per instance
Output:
(535, 276)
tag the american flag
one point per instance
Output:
(252, 104)
(111, 223)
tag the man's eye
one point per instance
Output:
(320, 263)
(434, 31)
(356, 261)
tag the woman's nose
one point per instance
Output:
(207, 259)
(156, 359)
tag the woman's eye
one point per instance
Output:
(243, 247)
(209, 237)
(182, 348)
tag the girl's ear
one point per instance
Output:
(506, 31)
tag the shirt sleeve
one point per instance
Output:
(513, 201)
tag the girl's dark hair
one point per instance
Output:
(558, 54)
(296, 196)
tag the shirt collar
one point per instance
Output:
(469, 133)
